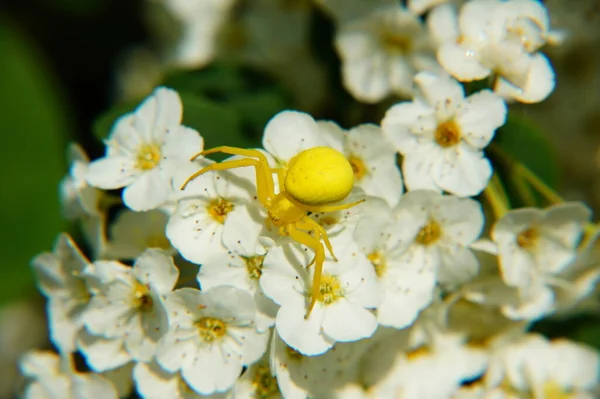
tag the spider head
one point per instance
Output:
(282, 211)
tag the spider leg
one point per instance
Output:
(307, 223)
(322, 208)
(315, 245)
(264, 184)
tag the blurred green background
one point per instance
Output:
(57, 60)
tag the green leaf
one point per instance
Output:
(218, 123)
(525, 142)
(35, 126)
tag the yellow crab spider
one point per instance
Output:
(314, 180)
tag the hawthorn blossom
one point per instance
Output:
(442, 134)
(143, 151)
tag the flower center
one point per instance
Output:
(396, 43)
(219, 208)
(417, 352)
(528, 239)
(330, 289)
(211, 329)
(148, 156)
(254, 265)
(142, 299)
(358, 167)
(447, 134)
(430, 233)
(378, 262)
(264, 384)
(554, 391)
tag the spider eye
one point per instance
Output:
(319, 175)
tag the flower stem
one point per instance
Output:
(538, 184)
(496, 196)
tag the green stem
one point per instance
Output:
(496, 196)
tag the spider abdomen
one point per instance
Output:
(319, 175)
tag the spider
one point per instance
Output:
(314, 180)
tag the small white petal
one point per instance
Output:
(345, 321)
(461, 62)
(302, 334)
(479, 117)
(111, 173)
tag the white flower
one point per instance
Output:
(257, 382)
(77, 197)
(433, 371)
(133, 232)
(62, 280)
(442, 134)
(382, 50)
(348, 289)
(85, 203)
(433, 232)
(129, 304)
(545, 369)
(201, 21)
(535, 243)
(153, 382)
(501, 37)
(197, 225)
(407, 285)
(371, 156)
(143, 151)
(242, 266)
(301, 377)
(55, 377)
(103, 354)
(212, 336)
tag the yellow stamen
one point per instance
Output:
(447, 134)
(430, 233)
(219, 208)
(148, 156)
(211, 329)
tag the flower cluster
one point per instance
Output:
(260, 278)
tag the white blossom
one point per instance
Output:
(103, 354)
(144, 149)
(62, 280)
(153, 382)
(381, 51)
(441, 135)
(129, 304)
(197, 225)
(301, 377)
(201, 21)
(407, 286)
(133, 232)
(211, 337)
(497, 37)
(535, 243)
(533, 365)
(348, 289)
(258, 381)
(55, 377)
(242, 266)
